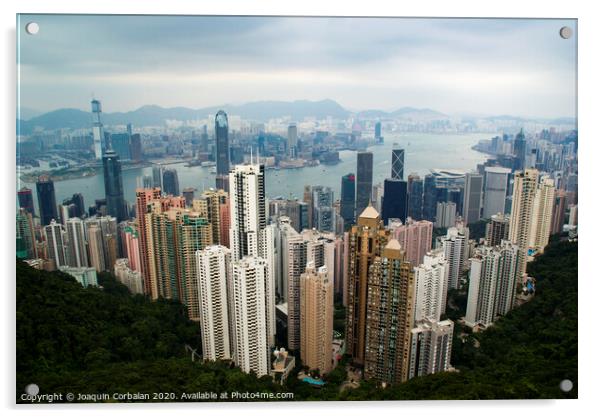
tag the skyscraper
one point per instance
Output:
(78, 201)
(78, 254)
(363, 193)
(415, 238)
(543, 209)
(95, 247)
(249, 233)
(473, 194)
(316, 318)
(367, 240)
(292, 140)
(390, 316)
(54, 235)
(308, 199)
(214, 206)
(348, 199)
(136, 147)
(214, 277)
(193, 233)
(497, 229)
(496, 183)
(446, 214)
(431, 286)
(323, 213)
(170, 182)
(299, 250)
(143, 198)
(521, 216)
(25, 197)
(394, 200)
(97, 129)
(101, 232)
(174, 234)
(493, 278)
(377, 130)
(249, 322)
(518, 148)
(431, 347)
(114, 186)
(455, 250)
(397, 163)
(247, 209)
(26, 243)
(415, 189)
(222, 151)
(559, 212)
(429, 202)
(294, 255)
(46, 200)
(132, 250)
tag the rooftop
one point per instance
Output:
(370, 212)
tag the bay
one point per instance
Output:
(423, 151)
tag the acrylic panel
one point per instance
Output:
(273, 208)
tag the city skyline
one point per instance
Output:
(437, 63)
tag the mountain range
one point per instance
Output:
(260, 111)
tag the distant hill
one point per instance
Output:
(57, 119)
(156, 115)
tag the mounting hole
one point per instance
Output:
(32, 28)
(566, 385)
(32, 389)
(566, 32)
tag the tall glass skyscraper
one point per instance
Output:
(97, 129)
(170, 182)
(223, 151)
(348, 199)
(518, 147)
(114, 186)
(25, 197)
(415, 189)
(364, 180)
(397, 162)
(395, 200)
(46, 200)
(429, 203)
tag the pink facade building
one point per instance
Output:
(132, 247)
(415, 238)
(224, 228)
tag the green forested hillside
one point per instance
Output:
(71, 339)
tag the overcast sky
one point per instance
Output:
(516, 67)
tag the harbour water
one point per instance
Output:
(422, 152)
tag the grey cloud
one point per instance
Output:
(92, 52)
